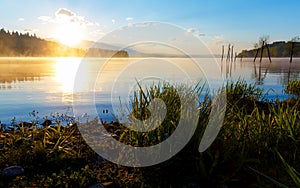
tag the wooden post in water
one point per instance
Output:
(262, 50)
(232, 53)
(227, 59)
(291, 59)
(231, 60)
(261, 55)
(269, 55)
(292, 52)
(235, 55)
(222, 53)
(256, 55)
(228, 53)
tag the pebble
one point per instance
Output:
(12, 171)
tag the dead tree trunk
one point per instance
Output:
(222, 53)
(262, 51)
(292, 52)
(256, 55)
(261, 55)
(232, 53)
(269, 55)
(228, 53)
(235, 55)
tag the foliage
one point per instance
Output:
(277, 49)
(293, 87)
(258, 146)
(19, 44)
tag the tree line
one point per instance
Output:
(276, 49)
(24, 44)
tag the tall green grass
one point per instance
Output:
(257, 146)
(253, 130)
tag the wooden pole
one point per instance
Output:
(227, 59)
(289, 73)
(228, 53)
(256, 54)
(261, 55)
(222, 53)
(235, 55)
(232, 53)
(262, 51)
(292, 52)
(269, 55)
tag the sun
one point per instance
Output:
(70, 34)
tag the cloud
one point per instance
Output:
(21, 19)
(195, 32)
(64, 12)
(44, 18)
(192, 30)
(65, 16)
(129, 19)
(113, 21)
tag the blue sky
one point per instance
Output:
(238, 22)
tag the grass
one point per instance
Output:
(293, 87)
(258, 146)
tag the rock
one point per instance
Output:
(13, 171)
(46, 123)
(11, 128)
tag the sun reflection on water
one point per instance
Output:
(66, 72)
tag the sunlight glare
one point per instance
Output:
(65, 73)
(70, 34)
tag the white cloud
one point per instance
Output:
(113, 21)
(64, 12)
(63, 16)
(21, 19)
(195, 32)
(129, 19)
(192, 30)
(44, 18)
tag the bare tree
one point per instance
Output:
(292, 43)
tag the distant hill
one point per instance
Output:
(86, 44)
(277, 49)
(19, 44)
(132, 51)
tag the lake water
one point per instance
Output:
(46, 85)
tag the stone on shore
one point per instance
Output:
(12, 171)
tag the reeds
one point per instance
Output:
(258, 145)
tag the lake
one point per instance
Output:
(46, 85)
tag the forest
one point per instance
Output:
(16, 44)
(277, 49)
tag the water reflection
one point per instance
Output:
(47, 84)
(15, 70)
(65, 72)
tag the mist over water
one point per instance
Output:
(46, 84)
